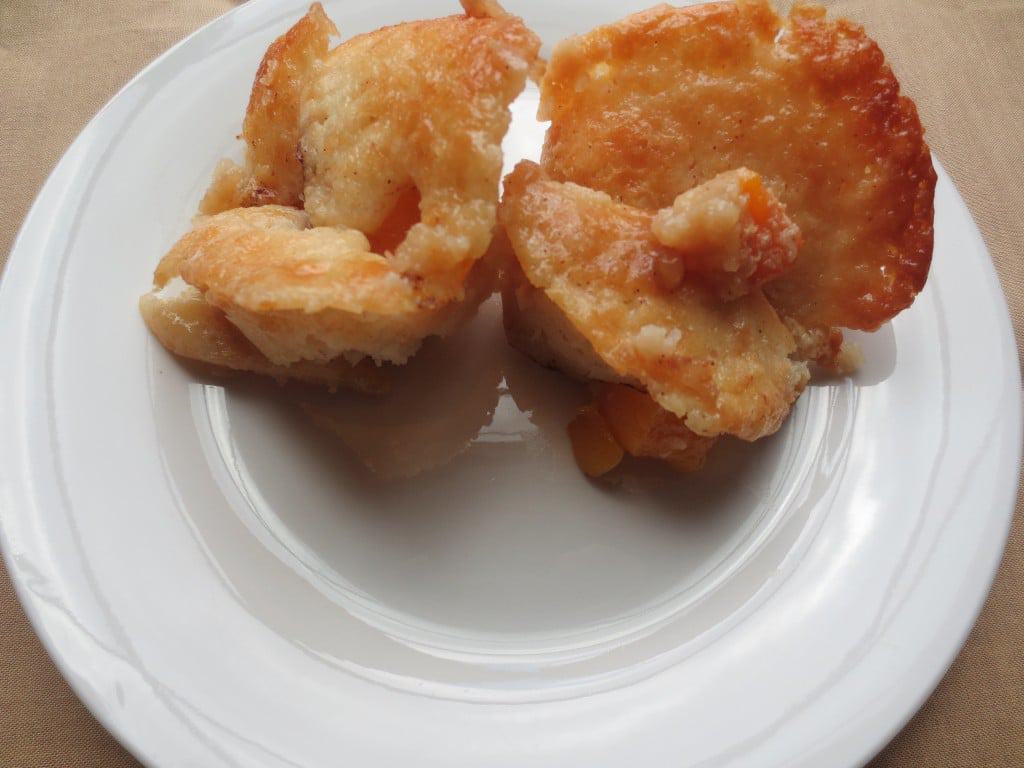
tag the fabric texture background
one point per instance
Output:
(961, 61)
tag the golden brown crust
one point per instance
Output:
(191, 328)
(825, 347)
(271, 127)
(230, 187)
(484, 9)
(301, 293)
(269, 258)
(538, 328)
(663, 100)
(721, 366)
(391, 143)
(422, 105)
(273, 171)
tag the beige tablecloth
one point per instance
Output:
(963, 62)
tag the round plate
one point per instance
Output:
(232, 573)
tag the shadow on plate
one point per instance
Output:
(473, 398)
(550, 400)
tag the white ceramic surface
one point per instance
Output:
(224, 582)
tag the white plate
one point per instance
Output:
(224, 584)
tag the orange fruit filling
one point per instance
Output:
(757, 199)
(593, 445)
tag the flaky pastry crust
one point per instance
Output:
(665, 99)
(723, 367)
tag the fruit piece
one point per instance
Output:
(593, 444)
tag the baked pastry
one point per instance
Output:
(358, 224)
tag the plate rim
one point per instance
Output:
(100, 713)
(911, 704)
